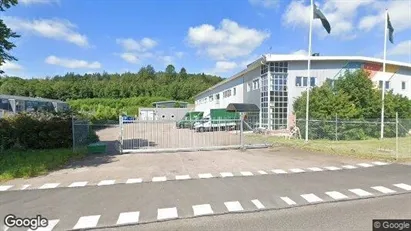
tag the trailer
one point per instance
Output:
(219, 119)
(189, 119)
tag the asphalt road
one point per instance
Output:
(99, 206)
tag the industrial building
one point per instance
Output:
(273, 82)
(164, 110)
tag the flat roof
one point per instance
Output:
(288, 57)
(25, 98)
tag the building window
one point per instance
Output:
(248, 87)
(234, 91)
(227, 93)
(256, 84)
(210, 98)
(303, 81)
(313, 81)
(387, 84)
(298, 81)
(403, 85)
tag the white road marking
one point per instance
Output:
(226, 174)
(246, 173)
(383, 189)
(128, 217)
(315, 169)
(134, 180)
(203, 209)
(24, 187)
(87, 222)
(278, 171)
(380, 163)
(332, 168)
(78, 184)
(296, 170)
(365, 165)
(49, 185)
(288, 201)
(167, 213)
(233, 206)
(360, 192)
(159, 179)
(5, 228)
(258, 204)
(183, 177)
(262, 172)
(49, 227)
(5, 187)
(336, 195)
(106, 182)
(349, 166)
(403, 186)
(312, 198)
(205, 175)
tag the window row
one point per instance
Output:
(301, 81)
(387, 85)
(276, 67)
(253, 85)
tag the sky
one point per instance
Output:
(210, 36)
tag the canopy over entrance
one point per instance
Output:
(242, 107)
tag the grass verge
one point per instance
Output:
(30, 163)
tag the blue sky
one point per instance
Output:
(211, 36)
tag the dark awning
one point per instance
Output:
(242, 107)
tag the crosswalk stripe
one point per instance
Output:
(288, 201)
(365, 165)
(258, 204)
(128, 217)
(332, 168)
(349, 166)
(311, 198)
(87, 222)
(49, 185)
(360, 192)
(24, 187)
(134, 180)
(167, 213)
(315, 169)
(296, 170)
(336, 195)
(403, 186)
(183, 177)
(246, 173)
(49, 227)
(383, 189)
(106, 182)
(278, 171)
(226, 174)
(380, 163)
(159, 179)
(233, 206)
(205, 175)
(78, 184)
(5, 187)
(262, 172)
(203, 209)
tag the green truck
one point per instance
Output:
(219, 119)
(189, 119)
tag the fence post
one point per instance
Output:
(396, 136)
(242, 130)
(336, 127)
(72, 133)
(120, 120)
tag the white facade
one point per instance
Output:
(286, 77)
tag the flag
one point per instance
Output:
(390, 29)
(319, 15)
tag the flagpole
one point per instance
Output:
(308, 69)
(383, 70)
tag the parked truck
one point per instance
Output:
(219, 119)
(189, 119)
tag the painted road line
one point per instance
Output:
(78, 184)
(49, 227)
(380, 163)
(5, 187)
(336, 195)
(383, 189)
(262, 172)
(258, 204)
(87, 222)
(288, 201)
(233, 206)
(183, 177)
(403, 186)
(167, 213)
(106, 182)
(49, 185)
(296, 170)
(315, 169)
(24, 187)
(5, 228)
(349, 166)
(246, 173)
(311, 198)
(128, 218)
(226, 174)
(365, 165)
(360, 192)
(332, 168)
(159, 179)
(205, 175)
(134, 181)
(278, 171)
(203, 209)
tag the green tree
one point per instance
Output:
(5, 35)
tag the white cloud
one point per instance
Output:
(50, 28)
(130, 44)
(129, 57)
(222, 67)
(299, 52)
(29, 2)
(10, 66)
(402, 48)
(179, 54)
(71, 63)
(265, 3)
(230, 40)
(166, 59)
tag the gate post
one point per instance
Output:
(242, 130)
(120, 120)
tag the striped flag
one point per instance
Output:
(390, 29)
(319, 15)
